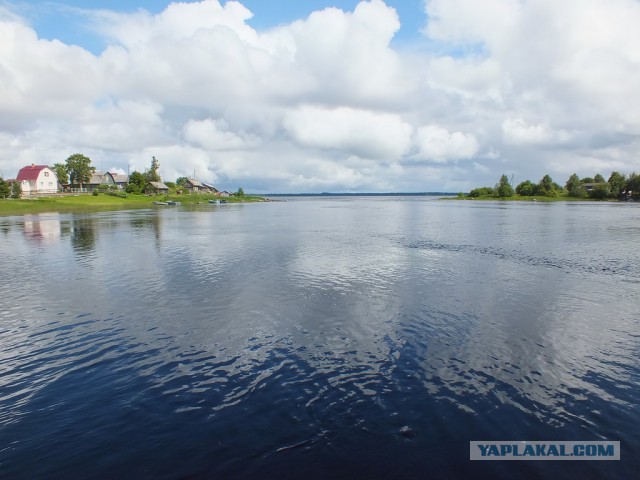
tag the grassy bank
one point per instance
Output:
(102, 202)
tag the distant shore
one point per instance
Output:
(536, 198)
(103, 202)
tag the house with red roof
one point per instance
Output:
(37, 179)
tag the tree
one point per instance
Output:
(5, 190)
(152, 174)
(526, 188)
(240, 192)
(504, 188)
(587, 180)
(633, 184)
(574, 187)
(16, 190)
(616, 183)
(79, 169)
(599, 191)
(547, 187)
(599, 179)
(481, 192)
(137, 182)
(61, 173)
(181, 181)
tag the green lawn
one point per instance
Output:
(102, 202)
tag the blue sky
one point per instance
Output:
(465, 91)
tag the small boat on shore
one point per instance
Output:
(173, 202)
(214, 202)
(160, 203)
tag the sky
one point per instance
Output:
(280, 96)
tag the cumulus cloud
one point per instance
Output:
(439, 145)
(517, 131)
(215, 135)
(328, 102)
(364, 133)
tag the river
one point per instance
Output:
(318, 338)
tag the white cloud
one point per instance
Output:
(364, 133)
(439, 145)
(215, 135)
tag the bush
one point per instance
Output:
(481, 192)
(600, 191)
(526, 189)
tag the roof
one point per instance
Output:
(210, 187)
(119, 178)
(30, 173)
(158, 185)
(195, 183)
(96, 177)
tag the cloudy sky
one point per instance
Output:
(324, 95)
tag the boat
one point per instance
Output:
(160, 203)
(173, 202)
(214, 202)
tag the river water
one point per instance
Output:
(318, 338)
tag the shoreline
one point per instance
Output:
(103, 203)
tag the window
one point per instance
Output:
(46, 174)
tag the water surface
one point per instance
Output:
(324, 338)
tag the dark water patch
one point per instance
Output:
(603, 266)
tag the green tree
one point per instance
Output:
(16, 190)
(504, 188)
(633, 184)
(137, 182)
(152, 174)
(526, 188)
(616, 183)
(5, 190)
(61, 173)
(240, 192)
(587, 180)
(181, 181)
(481, 192)
(599, 179)
(547, 187)
(599, 191)
(79, 169)
(574, 187)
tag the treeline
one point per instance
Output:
(618, 186)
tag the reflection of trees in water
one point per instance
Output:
(5, 228)
(83, 235)
(146, 221)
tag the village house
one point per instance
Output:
(154, 188)
(211, 188)
(195, 186)
(100, 179)
(37, 180)
(120, 181)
